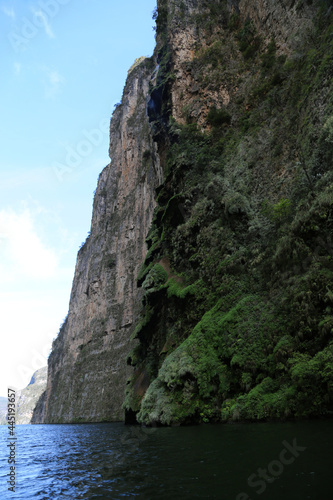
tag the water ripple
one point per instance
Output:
(111, 461)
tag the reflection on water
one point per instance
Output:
(273, 461)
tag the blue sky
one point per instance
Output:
(63, 68)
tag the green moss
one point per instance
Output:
(160, 16)
(143, 271)
(312, 384)
(238, 338)
(268, 59)
(313, 379)
(265, 401)
(242, 328)
(218, 117)
(248, 40)
(144, 321)
(155, 278)
(158, 406)
(278, 212)
(175, 288)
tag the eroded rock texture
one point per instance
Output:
(236, 315)
(87, 368)
(231, 121)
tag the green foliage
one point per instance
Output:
(311, 389)
(268, 58)
(248, 40)
(158, 406)
(239, 338)
(177, 289)
(278, 212)
(160, 16)
(234, 22)
(218, 117)
(313, 376)
(210, 15)
(155, 278)
(241, 325)
(266, 401)
(144, 321)
(143, 271)
(328, 128)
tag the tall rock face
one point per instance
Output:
(222, 155)
(238, 277)
(87, 368)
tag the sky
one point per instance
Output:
(63, 68)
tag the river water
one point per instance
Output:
(268, 461)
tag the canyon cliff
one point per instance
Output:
(87, 368)
(26, 399)
(205, 287)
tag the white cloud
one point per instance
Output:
(29, 321)
(53, 83)
(55, 78)
(9, 11)
(42, 18)
(22, 252)
(17, 68)
(34, 290)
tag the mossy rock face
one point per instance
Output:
(307, 392)
(240, 328)
(222, 348)
(155, 278)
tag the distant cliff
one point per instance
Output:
(222, 161)
(26, 399)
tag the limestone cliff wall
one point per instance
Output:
(243, 103)
(87, 368)
(284, 20)
(237, 70)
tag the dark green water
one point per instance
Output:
(280, 461)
